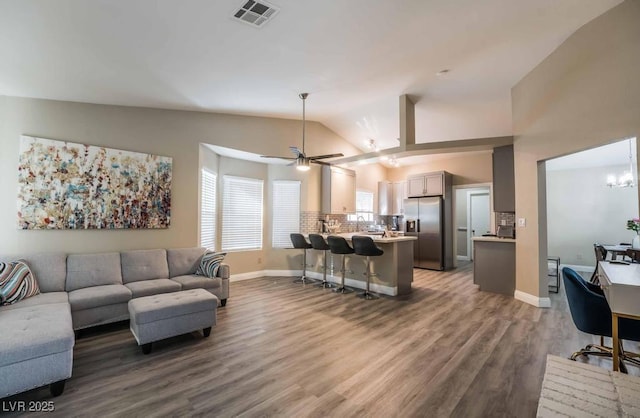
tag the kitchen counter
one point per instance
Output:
(376, 238)
(493, 239)
(394, 268)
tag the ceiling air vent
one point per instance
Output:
(255, 13)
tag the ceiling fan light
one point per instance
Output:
(302, 164)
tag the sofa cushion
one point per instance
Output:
(40, 299)
(95, 296)
(50, 270)
(34, 332)
(17, 282)
(191, 281)
(152, 287)
(86, 270)
(144, 265)
(210, 263)
(184, 260)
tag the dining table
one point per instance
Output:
(616, 249)
(620, 282)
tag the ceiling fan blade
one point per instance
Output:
(322, 157)
(297, 151)
(319, 162)
(279, 157)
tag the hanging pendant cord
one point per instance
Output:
(303, 96)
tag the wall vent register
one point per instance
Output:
(255, 13)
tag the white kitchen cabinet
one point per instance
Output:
(399, 194)
(338, 190)
(391, 197)
(430, 184)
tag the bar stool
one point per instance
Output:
(339, 245)
(299, 242)
(318, 243)
(365, 246)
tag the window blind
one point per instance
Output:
(364, 206)
(241, 214)
(286, 212)
(208, 210)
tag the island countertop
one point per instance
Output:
(376, 238)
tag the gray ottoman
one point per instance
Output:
(156, 317)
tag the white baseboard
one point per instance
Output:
(358, 284)
(462, 257)
(532, 300)
(246, 276)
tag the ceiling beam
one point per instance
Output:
(430, 148)
(407, 121)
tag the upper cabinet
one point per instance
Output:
(504, 190)
(391, 197)
(430, 184)
(338, 190)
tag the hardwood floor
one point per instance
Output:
(284, 349)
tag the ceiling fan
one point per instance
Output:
(301, 161)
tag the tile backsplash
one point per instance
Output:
(309, 222)
(509, 218)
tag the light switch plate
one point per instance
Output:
(522, 222)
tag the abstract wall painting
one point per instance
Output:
(64, 185)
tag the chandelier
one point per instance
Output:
(626, 179)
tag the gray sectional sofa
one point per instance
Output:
(80, 291)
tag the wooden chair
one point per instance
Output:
(634, 255)
(601, 255)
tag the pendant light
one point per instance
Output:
(626, 179)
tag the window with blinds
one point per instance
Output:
(286, 212)
(241, 214)
(364, 206)
(208, 210)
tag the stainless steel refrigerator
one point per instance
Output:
(424, 219)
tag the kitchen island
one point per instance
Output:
(494, 264)
(394, 268)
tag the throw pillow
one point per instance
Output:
(210, 263)
(17, 282)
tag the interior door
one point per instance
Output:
(479, 217)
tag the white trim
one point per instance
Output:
(247, 276)
(492, 217)
(532, 300)
(462, 258)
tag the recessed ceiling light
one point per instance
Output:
(443, 72)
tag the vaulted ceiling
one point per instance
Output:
(355, 58)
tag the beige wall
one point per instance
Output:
(585, 94)
(176, 134)
(470, 168)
